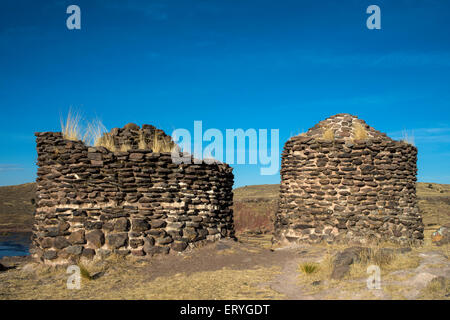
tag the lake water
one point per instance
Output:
(14, 244)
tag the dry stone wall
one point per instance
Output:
(345, 189)
(131, 135)
(93, 202)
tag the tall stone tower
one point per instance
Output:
(345, 181)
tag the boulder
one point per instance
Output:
(344, 259)
(61, 243)
(88, 253)
(116, 240)
(49, 255)
(156, 250)
(442, 235)
(77, 237)
(122, 224)
(95, 238)
(75, 250)
(131, 126)
(179, 246)
(139, 225)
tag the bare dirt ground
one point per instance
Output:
(247, 269)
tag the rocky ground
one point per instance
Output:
(247, 269)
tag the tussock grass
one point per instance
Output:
(327, 134)
(360, 132)
(160, 144)
(97, 135)
(309, 267)
(71, 127)
(107, 141)
(84, 272)
(387, 262)
(316, 272)
(125, 147)
(408, 138)
(437, 289)
(142, 143)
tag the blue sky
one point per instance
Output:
(232, 64)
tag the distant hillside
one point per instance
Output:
(263, 192)
(16, 207)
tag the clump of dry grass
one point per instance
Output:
(360, 132)
(84, 272)
(438, 288)
(97, 135)
(327, 134)
(377, 257)
(142, 143)
(309, 267)
(107, 141)
(387, 261)
(316, 273)
(161, 144)
(71, 128)
(408, 138)
(125, 147)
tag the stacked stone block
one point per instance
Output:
(93, 202)
(345, 189)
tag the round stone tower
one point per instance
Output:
(345, 181)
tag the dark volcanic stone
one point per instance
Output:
(49, 255)
(74, 250)
(77, 237)
(179, 246)
(158, 224)
(122, 224)
(343, 260)
(88, 253)
(116, 240)
(139, 225)
(155, 250)
(61, 243)
(96, 238)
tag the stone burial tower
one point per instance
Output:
(343, 181)
(125, 198)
